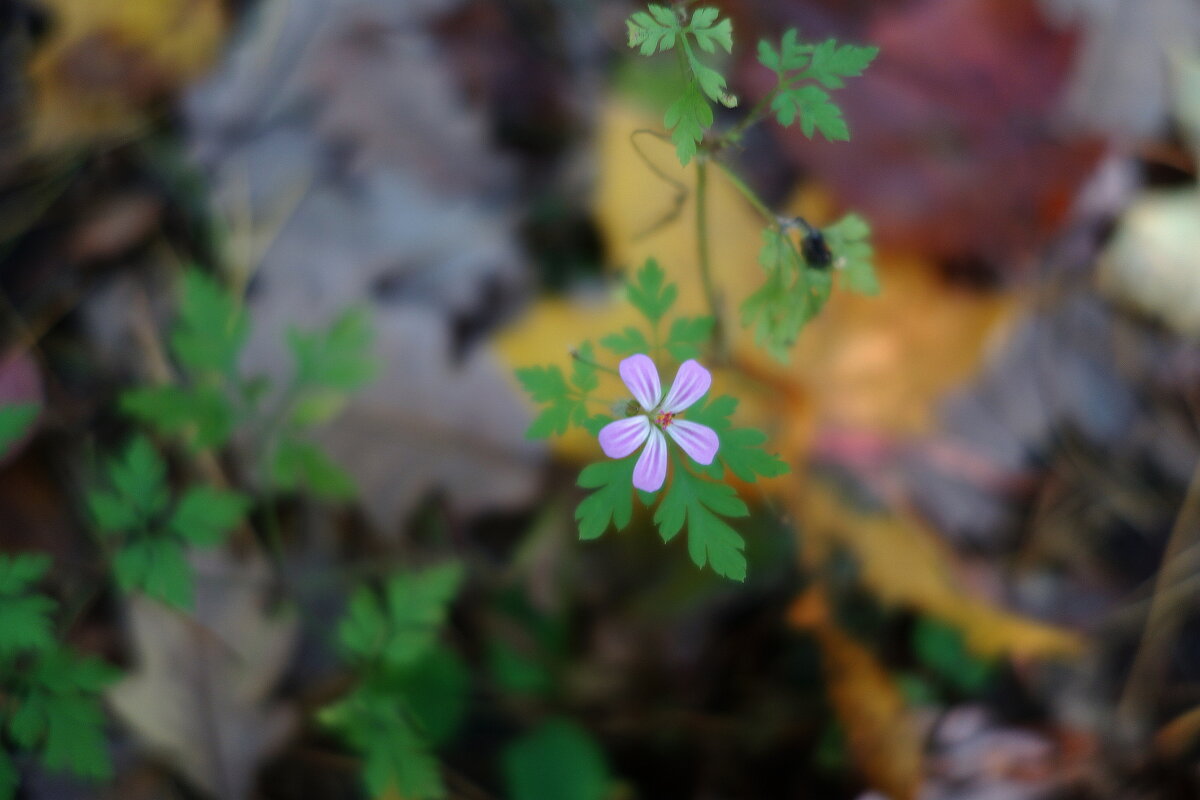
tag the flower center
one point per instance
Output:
(664, 419)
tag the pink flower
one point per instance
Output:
(619, 439)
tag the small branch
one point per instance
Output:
(1146, 675)
(710, 290)
(575, 355)
(748, 193)
(681, 191)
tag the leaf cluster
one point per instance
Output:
(695, 496)
(659, 29)
(213, 400)
(149, 534)
(411, 692)
(805, 72)
(49, 695)
(796, 291)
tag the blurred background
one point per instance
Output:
(980, 580)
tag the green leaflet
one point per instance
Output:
(411, 693)
(612, 502)
(701, 504)
(54, 712)
(799, 67)
(556, 760)
(130, 512)
(658, 30)
(25, 623)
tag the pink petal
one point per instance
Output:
(698, 441)
(641, 376)
(619, 439)
(651, 468)
(691, 382)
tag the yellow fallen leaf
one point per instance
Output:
(903, 563)
(882, 736)
(106, 61)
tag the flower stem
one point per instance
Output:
(748, 193)
(575, 355)
(710, 291)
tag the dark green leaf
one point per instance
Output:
(140, 477)
(436, 689)
(338, 357)
(558, 760)
(612, 502)
(396, 759)
(15, 422)
(157, 568)
(205, 516)
(653, 32)
(201, 414)
(583, 374)
(688, 336)
(695, 501)
(212, 326)
(741, 450)
(416, 606)
(831, 63)
(687, 118)
(649, 293)
(299, 464)
(627, 342)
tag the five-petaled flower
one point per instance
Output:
(619, 439)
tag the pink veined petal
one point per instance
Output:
(641, 376)
(651, 469)
(691, 382)
(619, 439)
(700, 442)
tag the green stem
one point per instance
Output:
(710, 291)
(748, 193)
(575, 355)
(752, 118)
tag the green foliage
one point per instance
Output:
(793, 294)
(15, 422)
(396, 757)
(612, 502)
(696, 498)
(400, 627)
(297, 464)
(687, 337)
(412, 693)
(741, 449)
(214, 400)
(25, 622)
(212, 326)
(649, 293)
(850, 240)
(49, 696)
(702, 503)
(658, 30)
(130, 512)
(941, 649)
(557, 760)
(799, 68)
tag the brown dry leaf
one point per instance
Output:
(199, 694)
(106, 61)
(904, 563)
(883, 738)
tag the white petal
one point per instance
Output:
(700, 442)
(619, 439)
(641, 376)
(691, 383)
(651, 469)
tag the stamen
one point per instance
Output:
(664, 419)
